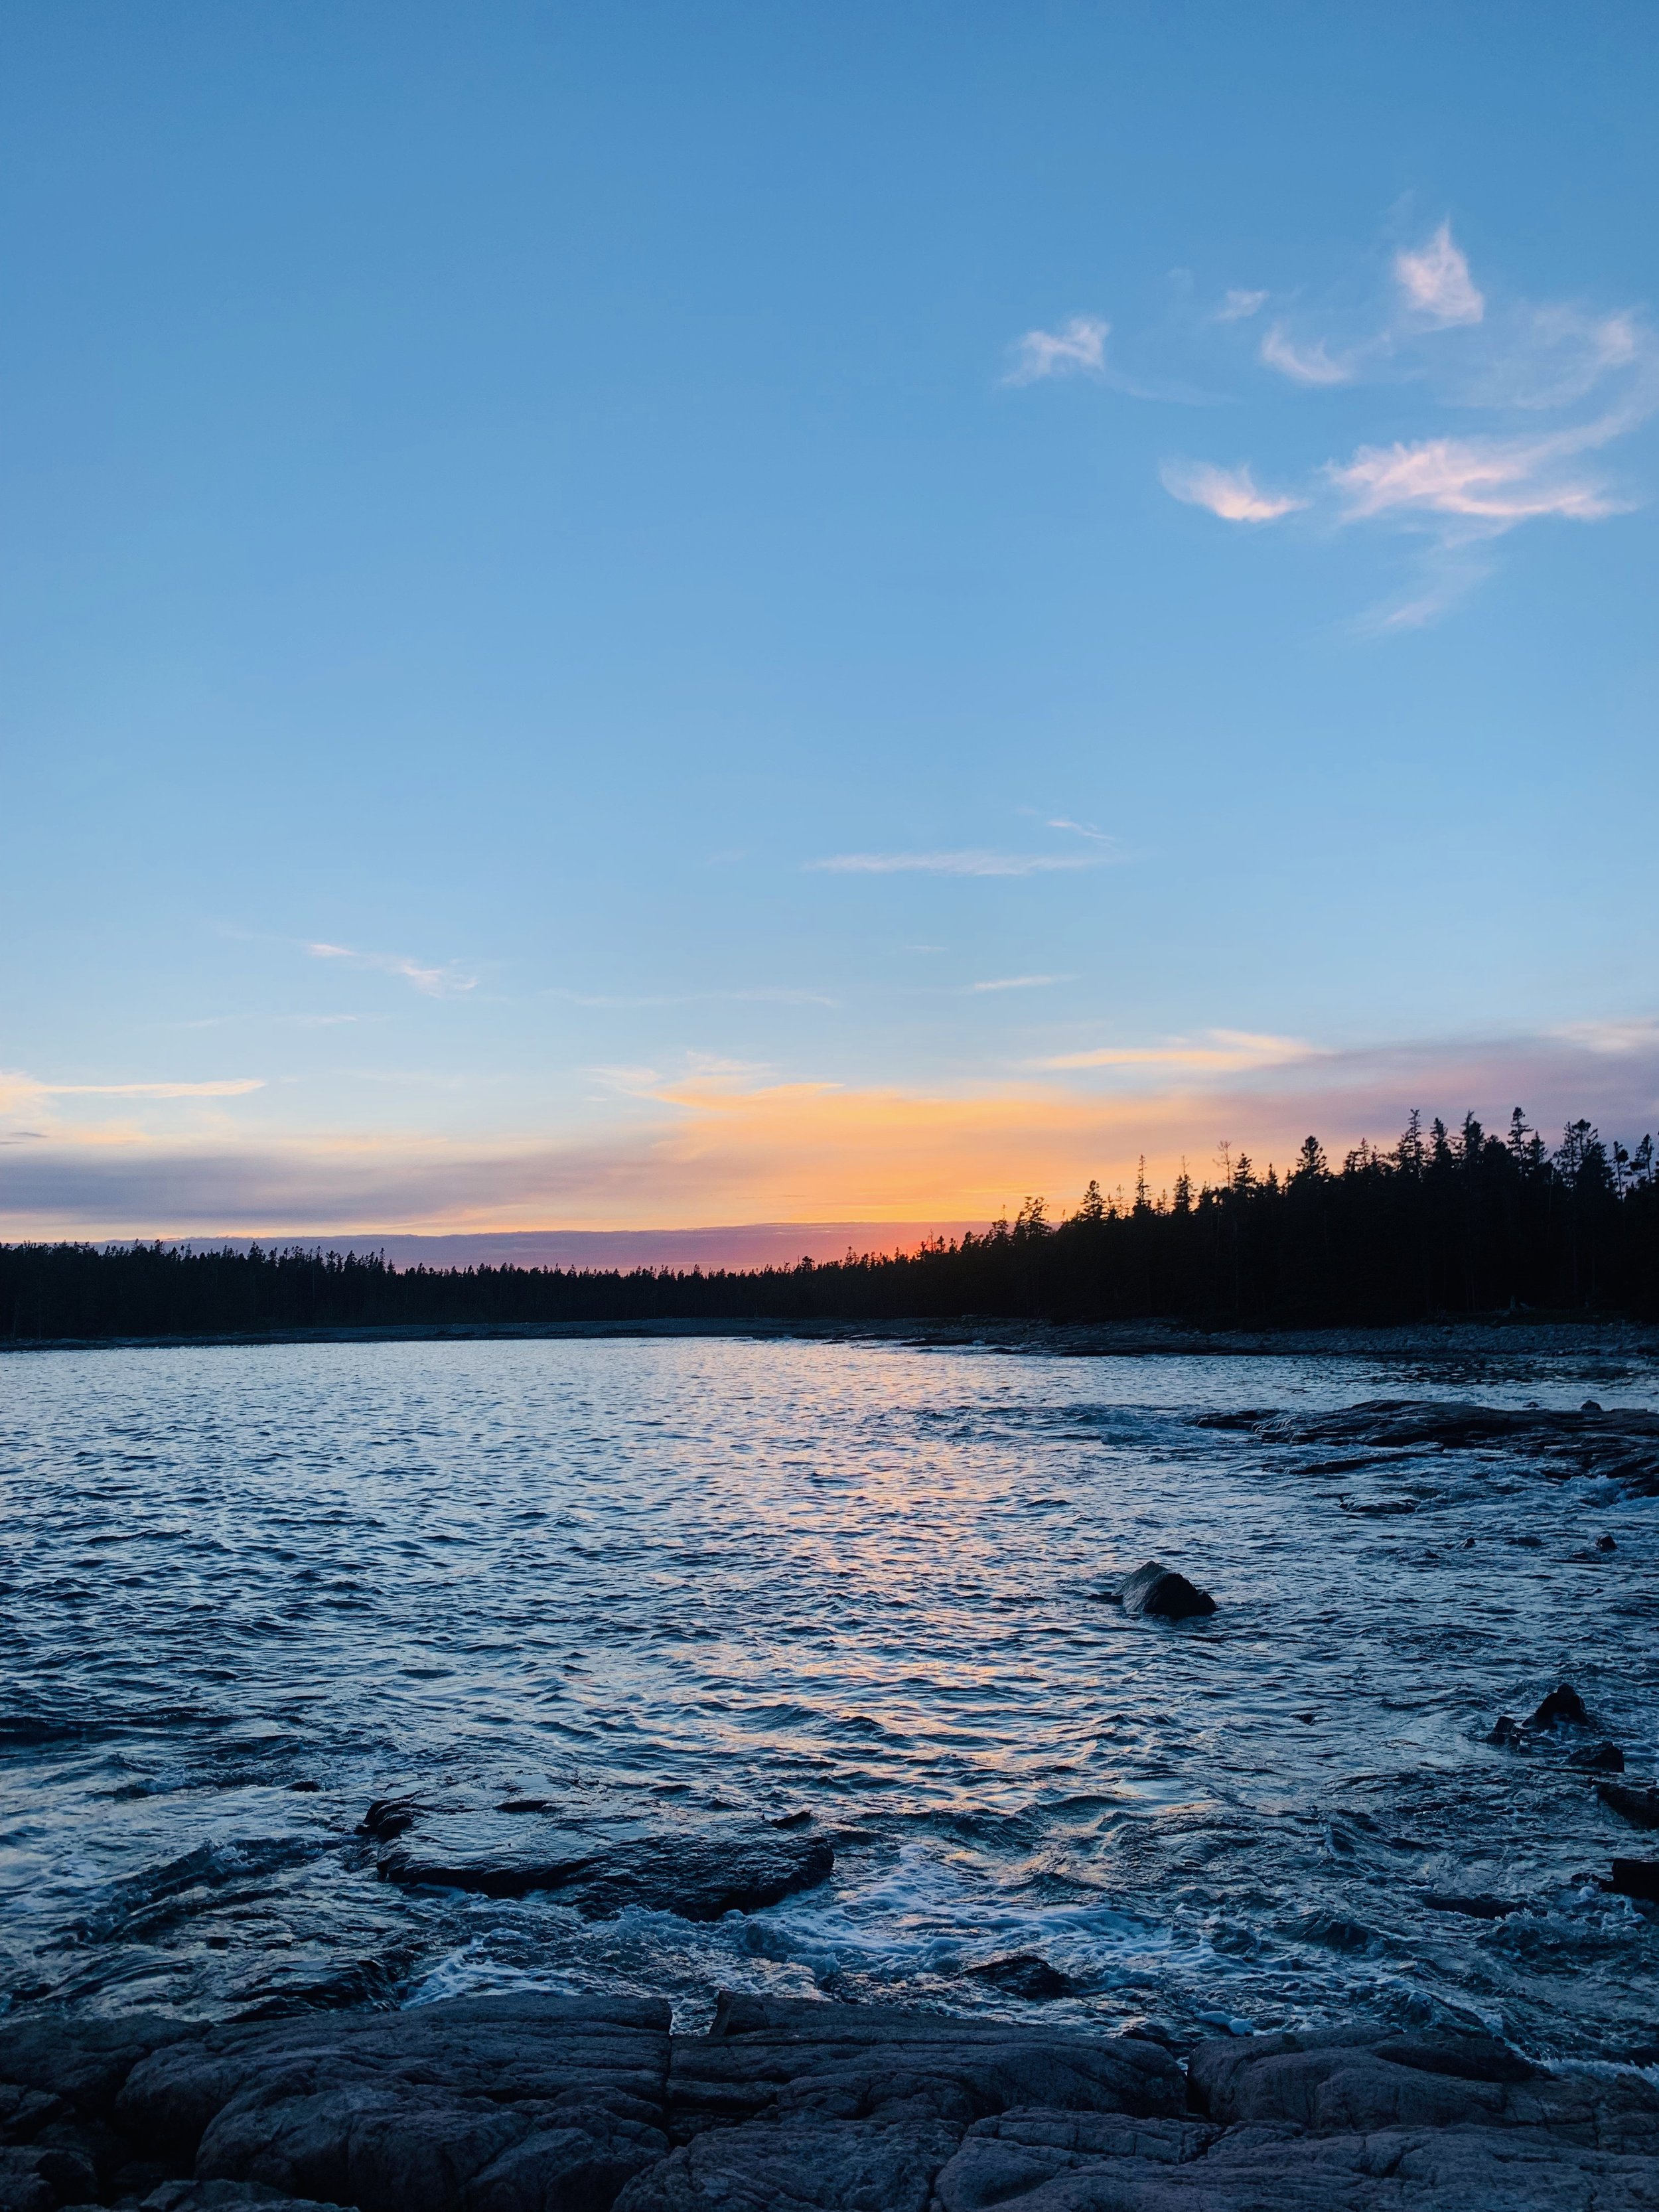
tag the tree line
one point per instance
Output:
(1443, 1222)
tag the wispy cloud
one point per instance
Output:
(1233, 493)
(16, 1087)
(1238, 307)
(1100, 837)
(1438, 333)
(970, 861)
(1435, 280)
(1303, 364)
(1078, 349)
(1222, 1051)
(1019, 982)
(763, 995)
(1493, 481)
(445, 981)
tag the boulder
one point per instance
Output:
(1639, 1807)
(698, 1870)
(1598, 1759)
(1160, 1593)
(1635, 1878)
(1562, 1704)
(1024, 1975)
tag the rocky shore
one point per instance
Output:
(544, 2104)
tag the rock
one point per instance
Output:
(1606, 1544)
(1590, 1406)
(1024, 1976)
(480, 2103)
(37, 2177)
(1623, 1444)
(1477, 1907)
(541, 2104)
(1562, 1704)
(219, 2195)
(1639, 1807)
(1635, 1878)
(1508, 1734)
(1279, 2169)
(600, 1866)
(1041, 2158)
(1598, 1759)
(798, 2163)
(784, 2058)
(1160, 1593)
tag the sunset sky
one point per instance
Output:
(636, 616)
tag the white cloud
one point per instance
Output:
(1018, 982)
(1078, 349)
(444, 982)
(1437, 284)
(973, 861)
(1492, 483)
(14, 1088)
(1223, 1051)
(1238, 307)
(1307, 365)
(1083, 829)
(1233, 493)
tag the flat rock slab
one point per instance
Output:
(1623, 1444)
(700, 1871)
(543, 2104)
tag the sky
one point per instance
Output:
(620, 618)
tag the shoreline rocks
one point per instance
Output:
(545, 2104)
(596, 1860)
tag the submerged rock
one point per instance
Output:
(1623, 1444)
(1024, 1976)
(1639, 1807)
(1479, 1907)
(700, 1871)
(1160, 1593)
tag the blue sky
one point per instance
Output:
(643, 615)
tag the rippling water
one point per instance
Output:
(854, 1578)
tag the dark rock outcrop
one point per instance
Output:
(1023, 1975)
(1561, 1703)
(1639, 1807)
(700, 1871)
(1622, 1444)
(540, 2104)
(1635, 1878)
(1598, 1759)
(1159, 1593)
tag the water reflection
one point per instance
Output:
(250, 1589)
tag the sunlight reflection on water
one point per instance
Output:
(863, 1580)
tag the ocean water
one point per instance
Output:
(246, 1590)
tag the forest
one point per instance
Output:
(1444, 1222)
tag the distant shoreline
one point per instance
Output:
(1473, 1336)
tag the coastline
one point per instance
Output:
(1477, 1336)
